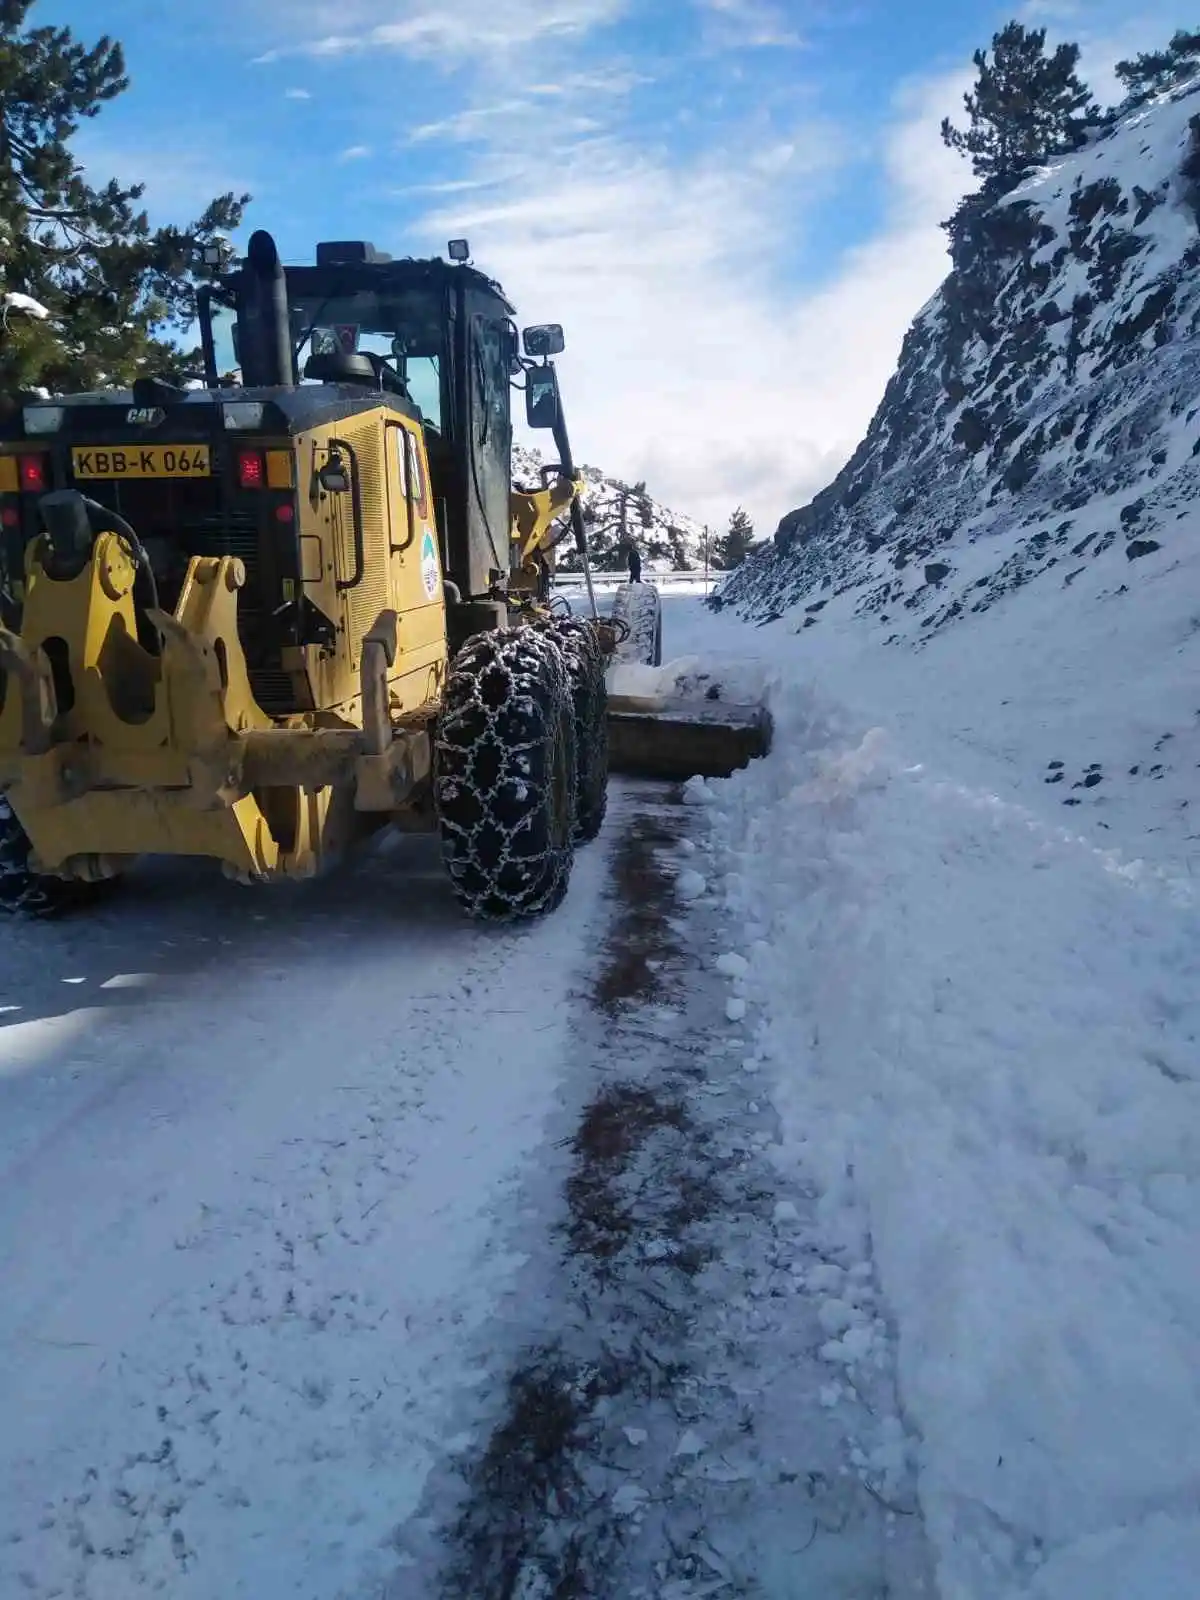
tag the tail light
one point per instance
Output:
(10, 517)
(32, 471)
(251, 474)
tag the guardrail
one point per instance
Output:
(660, 580)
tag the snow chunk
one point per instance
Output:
(696, 792)
(629, 1499)
(785, 1211)
(690, 1444)
(636, 1436)
(690, 885)
(835, 1316)
(854, 1346)
(735, 1008)
(733, 966)
(13, 300)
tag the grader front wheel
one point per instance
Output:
(28, 892)
(504, 775)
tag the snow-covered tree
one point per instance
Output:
(1026, 106)
(733, 546)
(1154, 71)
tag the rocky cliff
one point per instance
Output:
(1044, 417)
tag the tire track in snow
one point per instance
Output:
(671, 1423)
(245, 1241)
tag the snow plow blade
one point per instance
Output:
(680, 739)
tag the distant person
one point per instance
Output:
(635, 565)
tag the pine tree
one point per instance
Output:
(1026, 106)
(645, 510)
(119, 292)
(1154, 71)
(732, 548)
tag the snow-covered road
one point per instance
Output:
(252, 1151)
(808, 1205)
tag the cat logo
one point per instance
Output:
(145, 416)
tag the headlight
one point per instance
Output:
(43, 419)
(243, 414)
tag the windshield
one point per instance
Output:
(223, 320)
(405, 327)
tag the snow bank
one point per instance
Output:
(983, 1021)
(693, 676)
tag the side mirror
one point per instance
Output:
(333, 477)
(544, 340)
(541, 397)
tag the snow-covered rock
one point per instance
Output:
(1044, 420)
(666, 540)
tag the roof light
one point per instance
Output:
(43, 419)
(243, 414)
(33, 474)
(250, 469)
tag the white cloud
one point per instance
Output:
(688, 363)
(355, 152)
(475, 123)
(432, 29)
(180, 180)
(297, 94)
(750, 24)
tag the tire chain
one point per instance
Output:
(584, 654)
(22, 890)
(494, 773)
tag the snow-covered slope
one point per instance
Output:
(1026, 498)
(667, 541)
(1044, 421)
(973, 864)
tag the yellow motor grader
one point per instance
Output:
(257, 619)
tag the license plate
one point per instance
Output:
(142, 461)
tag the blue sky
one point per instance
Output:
(731, 204)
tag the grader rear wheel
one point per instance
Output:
(585, 667)
(504, 775)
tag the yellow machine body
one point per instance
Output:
(109, 750)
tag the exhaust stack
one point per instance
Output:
(263, 317)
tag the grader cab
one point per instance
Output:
(258, 619)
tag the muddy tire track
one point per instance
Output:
(660, 1433)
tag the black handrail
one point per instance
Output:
(405, 438)
(360, 550)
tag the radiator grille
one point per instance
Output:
(178, 519)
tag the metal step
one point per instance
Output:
(680, 739)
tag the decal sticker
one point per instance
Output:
(429, 566)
